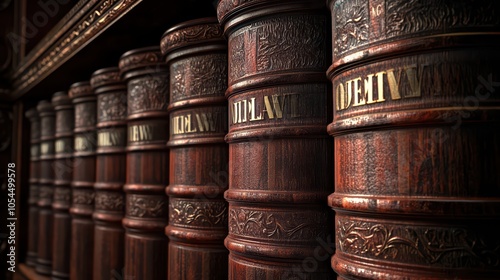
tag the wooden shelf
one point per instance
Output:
(93, 35)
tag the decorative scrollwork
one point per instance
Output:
(83, 197)
(111, 77)
(146, 206)
(226, 6)
(185, 36)
(412, 16)
(351, 25)
(354, 18)
(85, 115)
(148, 94)
(112, 106)
(141, 59)
(109, 201)
(97, 16)
(443, 247)
(198, 213)
(198, 76)
(278, 225)
(80, 89)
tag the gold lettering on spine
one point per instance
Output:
(44, 148)
(358, 99)
(276, 107)
(394, 84)
(272, 106)
(140, 133)
(380, 83)
(414, 82)
(205, 122)
(82, 144)
(340, 93)
(60, 146)
(252, 110)
(108, 139)
(368, 95)
(360, 90)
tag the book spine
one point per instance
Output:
(196, 52)
(110, 172)
(82, 226)
(33, 236)
(280, 155)
(416, 132)
(146, 206)
(63, 171)
(46, 191)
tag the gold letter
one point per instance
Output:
(414, 82)
(276, 108)
(252, 108)
(358, 100)
(380, 86)
(340, 92)
(187, 123)
(369, 89)
(394, 84)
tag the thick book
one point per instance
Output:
(280, 155)
(146, 209)
(416, 132)
(109, 207)
(196, 52)
(63, 172)
(46, 187)
(32, 247)
(82, 204)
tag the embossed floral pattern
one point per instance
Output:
(191, 34)
(202, 73)
(198, 213)
(110, 201)
(277, 225)
(83, 197)
(448, 247)
(112, 106)
(146, 206)
(148, 94)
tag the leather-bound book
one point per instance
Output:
(416, 127)
(280, 157)
(110, 172)
(46, 187)
(196, 52)
(63, 171)
(31, 254)
(146, 204)
(82, 207)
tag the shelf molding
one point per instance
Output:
(86, 20)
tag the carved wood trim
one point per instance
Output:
(80, 26)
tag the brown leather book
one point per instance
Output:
(146, 209)
(32, 249)
(82, 229)
(63, 171)
(280, 157)
(46, 184)
(110, 172)
(416, 132)
(196, 52)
